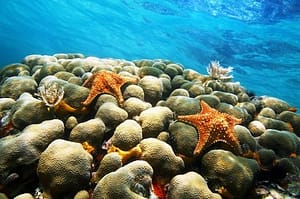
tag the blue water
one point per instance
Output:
(259, 38)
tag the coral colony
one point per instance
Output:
(111, 128)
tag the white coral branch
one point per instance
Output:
(51, 93)
(217, 72)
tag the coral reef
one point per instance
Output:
(86, 127)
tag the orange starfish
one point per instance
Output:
(106, 82)
(213, 126)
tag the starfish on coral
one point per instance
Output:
(213, 126)
(106, 82)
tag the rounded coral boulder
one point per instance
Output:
(64, 168)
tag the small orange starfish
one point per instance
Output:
(106, 82)
(213, 126)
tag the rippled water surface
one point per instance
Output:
(260, 39)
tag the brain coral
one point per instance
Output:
(190, 185)
(64, 168)
(133, 181)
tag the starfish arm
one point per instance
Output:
(205, 108)
(89, 82)
(234, 143)
(119, 97)
(90, 98)
(120, 81)
(202, 142)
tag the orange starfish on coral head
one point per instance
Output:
(106, 82)
(213, 126)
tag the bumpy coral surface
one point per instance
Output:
(86, 127)
(131, 181)
(64, 168)
(190, 186)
